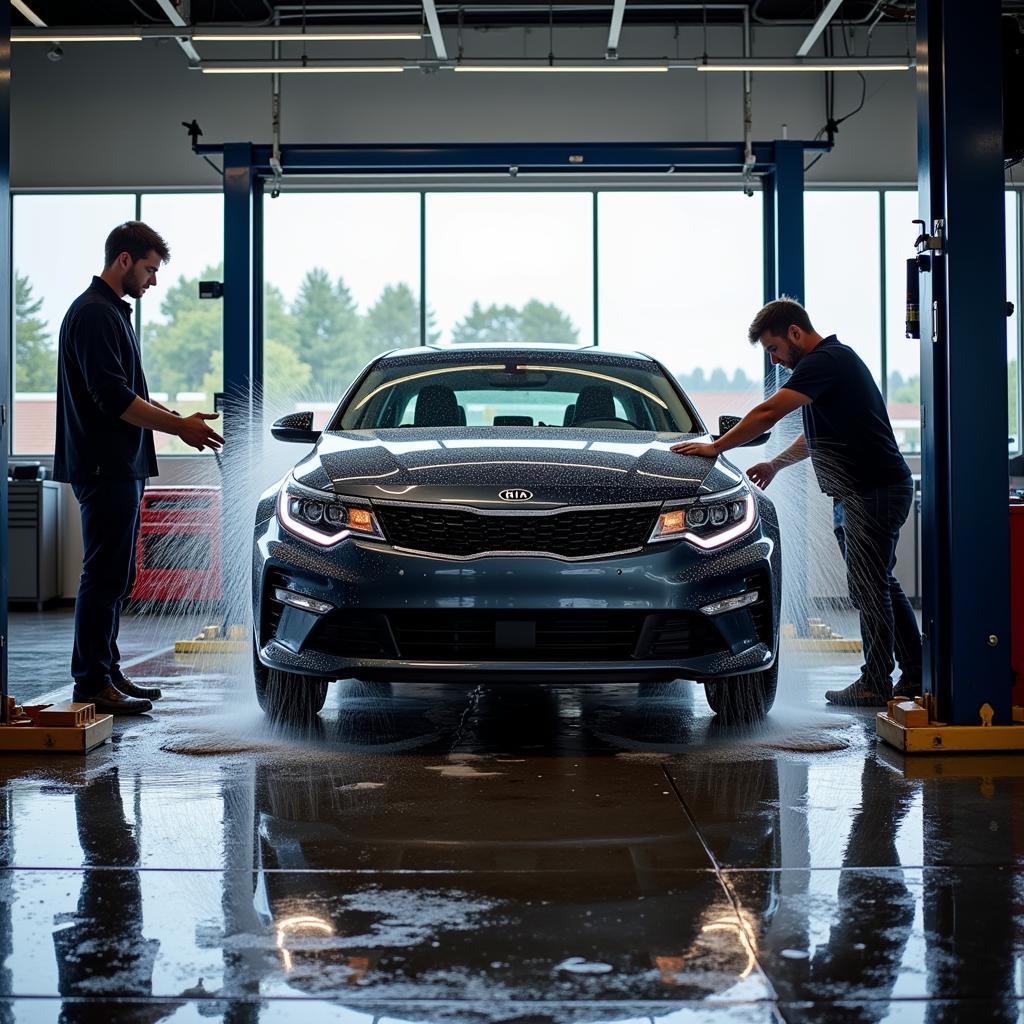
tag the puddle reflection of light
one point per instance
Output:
(727, 924)
(299, 923)
(673, 968)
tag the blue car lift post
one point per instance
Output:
(246, 168)
(966, 623)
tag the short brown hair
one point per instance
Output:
(136, 239)
(777, 317)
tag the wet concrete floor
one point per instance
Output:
(442, 853)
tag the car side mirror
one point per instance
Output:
(296, 427)
(726, 423)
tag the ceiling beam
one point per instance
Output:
(175, 18)
(827, 13)
(430, 11)
(615, 29)
(23, 8)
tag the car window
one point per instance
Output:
(535, 391)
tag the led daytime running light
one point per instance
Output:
(362, 524)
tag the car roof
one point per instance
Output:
(432, 351)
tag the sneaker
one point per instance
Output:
(111, 701)
(130, 689)
(858, 695)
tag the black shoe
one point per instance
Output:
(111, 701)
(130, 689)
(858, 695)
(909, 684)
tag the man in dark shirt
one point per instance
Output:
(857, 462)
(104, 449)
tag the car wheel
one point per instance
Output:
(287, 695)
(743, 698)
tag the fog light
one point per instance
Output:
(731, 604)
(307, 604)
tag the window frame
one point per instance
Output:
(1015, 289)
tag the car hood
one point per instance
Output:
(547, 467)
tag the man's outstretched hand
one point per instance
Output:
(195, 433)
(705, 451)
(762, 474)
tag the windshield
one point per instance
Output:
(535, 390)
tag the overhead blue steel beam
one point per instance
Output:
(963, 360)
(482, 158)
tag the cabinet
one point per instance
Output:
(33, 555)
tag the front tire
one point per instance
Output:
(743, 698)
(287, 696)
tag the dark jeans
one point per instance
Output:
(110, 528)
(867, 527)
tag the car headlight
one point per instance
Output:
(709, 523)
(321, 517)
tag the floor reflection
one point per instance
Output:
(507, 853)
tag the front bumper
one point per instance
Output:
(401, 616)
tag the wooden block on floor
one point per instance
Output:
(66, 713)
(910, 714)
(78, 739)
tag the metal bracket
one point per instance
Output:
(935, 242)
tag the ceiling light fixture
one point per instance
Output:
(583, 69)
(804, 64)
(74, 35)
(308, 35)
(281, 67)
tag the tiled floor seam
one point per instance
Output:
(727, 889)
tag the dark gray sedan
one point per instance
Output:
(511, 514)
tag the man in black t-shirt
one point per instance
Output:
(105, 450)
(857, 462)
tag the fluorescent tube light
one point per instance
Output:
(806, 64)
(583, 69)
(270, 67)
(285, 35)
(73, 35)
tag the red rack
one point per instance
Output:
(178, 553)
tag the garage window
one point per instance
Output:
(342, 284)
(181, 334)
(681, 278)
(903, 356)
(57, 248)
(510, 267)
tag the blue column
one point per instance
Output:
(784, 275)
(963, 360)
(243, 366)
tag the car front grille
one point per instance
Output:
(579, 635)
(576, 533)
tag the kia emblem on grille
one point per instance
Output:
(515, 494)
